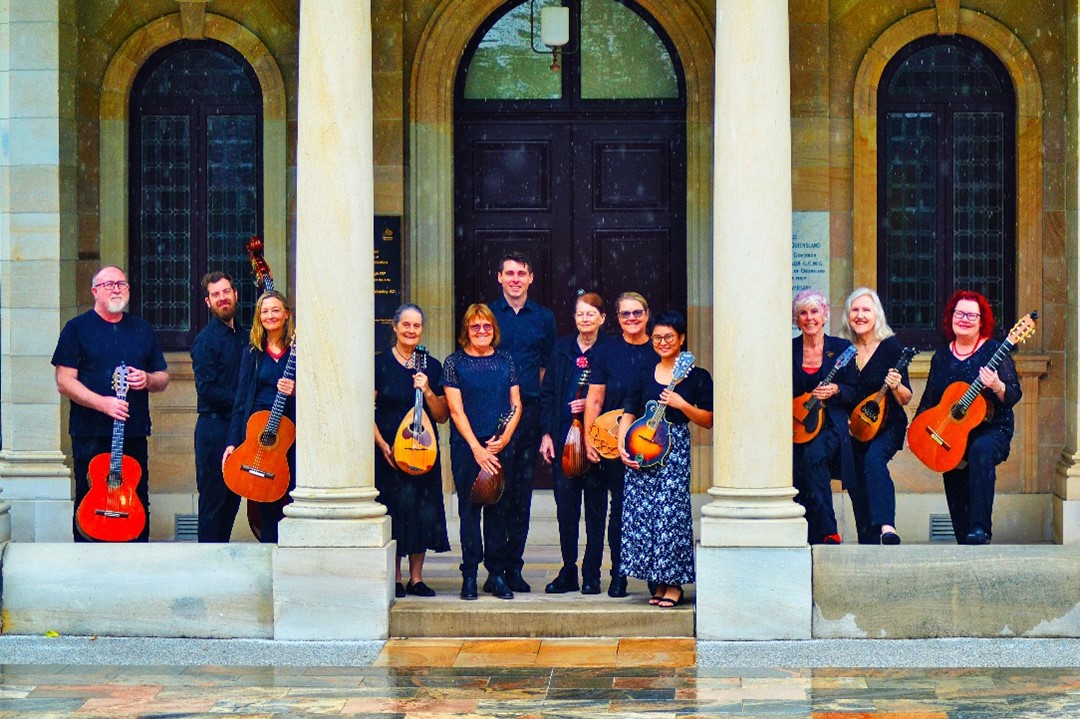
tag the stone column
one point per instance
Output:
(332, 569)
(38, 228)
(753, 562)
(1067, 484)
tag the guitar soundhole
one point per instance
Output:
(267, 439)
(871, 411)
(958, 412)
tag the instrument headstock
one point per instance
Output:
(264, 279)
(683, 364)
(120, 381)
(845, 357)
(1024, 328)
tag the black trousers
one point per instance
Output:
(970, 489)
(489, 546)
(84, 449)
(812, 477)
(520, 466)
(613, 471)
(568, 499)
(873, 496)
(217, 503)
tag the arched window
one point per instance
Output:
(195, 182)
(947, 183)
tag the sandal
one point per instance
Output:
(658, 591)
(667, 602)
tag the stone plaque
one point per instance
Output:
(809, 254)
(388, 282)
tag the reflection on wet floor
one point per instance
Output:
(534, 678)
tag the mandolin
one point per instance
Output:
(112, 511)
(574, 461)
(488, 487)
(808, 412)
(415, 448)
(604, 434)
(869, 415)
(938, 436)
(647, 439)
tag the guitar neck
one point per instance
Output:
(661, 407)
(977, 386)
(116, 451)
(280, 398)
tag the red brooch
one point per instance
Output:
(582, 362)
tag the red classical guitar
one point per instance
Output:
(112, 511)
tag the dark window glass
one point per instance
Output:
(946, 169)
(196, 195)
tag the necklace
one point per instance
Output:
(407, 361)
(962, 355)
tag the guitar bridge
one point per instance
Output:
(938, 438)
(111, 514)
(256, 471)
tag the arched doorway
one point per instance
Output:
(582, 167)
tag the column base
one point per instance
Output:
(333, 593)
(754, 593)
(742, 517)
(1067, 498)
(38, 486)
(351, 533)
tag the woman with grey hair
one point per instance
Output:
(823, 439)
(878, 426)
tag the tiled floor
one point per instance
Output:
(533, 678)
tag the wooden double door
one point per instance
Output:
(596, 200)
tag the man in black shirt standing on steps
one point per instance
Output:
(528, 335)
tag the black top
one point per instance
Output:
(871, 378)
(696, 388)
(257, 389)
(528, 336)
(946, 369)
(838, 408)
(616, 365)
(396, 394)
(561, 383)
(96, 347)
(484, 383)
(215, 359)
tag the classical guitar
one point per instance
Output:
(604, 434)
(648, 439)
(574, 461)
(259, 468)
(111, 511)
(938, 436)
(415, 448)
(488, 486)
(869, 415)
(807, 411)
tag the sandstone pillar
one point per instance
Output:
(332, 569)
(753, 562)
(38, 240)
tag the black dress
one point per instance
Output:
(414, 502)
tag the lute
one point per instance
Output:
(574, 461)
(808, 412)
(869, 415)
(488, 487)
(415, 448)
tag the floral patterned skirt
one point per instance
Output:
(658, 523)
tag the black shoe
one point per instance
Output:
(468, 587)
(977, 536)
(399, 590)
(562, 584)
(890, 538)
(487, 583)
(419, 589)
(590, 586)
(516, 582)
(499, 588)
(617, 588)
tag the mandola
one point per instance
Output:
(415, 448)
(938, 436)
(869, 415)
(488, 487)
(807, 411)
(604, 434)
(574, 461)
(647, 439)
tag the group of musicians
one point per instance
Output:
(512, 392)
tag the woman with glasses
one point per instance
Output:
(481, 387)
(413, 501)
(877, 354)
(658, 523)
(561, 399)
(814, 355)
(615, 364)
(969, 489)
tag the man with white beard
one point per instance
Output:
(91, 346)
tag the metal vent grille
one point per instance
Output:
(941, 529)
(187, 527)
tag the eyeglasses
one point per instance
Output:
(111, 285)
(664, 339)
(969, 316)
(478, 328)
(627, 314)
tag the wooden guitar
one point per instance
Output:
(938, 436)
(604, 434)
(869, 415)
(574, 461)
(488, 487)
(415, 448)
(647, 439)
(808, 412)
(259, 468)
(112, 511)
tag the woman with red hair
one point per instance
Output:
(969, 489)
